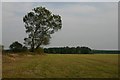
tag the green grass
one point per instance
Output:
(61, 66)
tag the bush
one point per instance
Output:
(16, 47)
(1, 48)
(39, 50)
(85, 50)
(24, 49)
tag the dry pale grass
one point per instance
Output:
(0, 64)
(61, 66)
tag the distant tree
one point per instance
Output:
(24, 48)
(68, 50)
(39, 50)
(40, 23)
(16, 47)
(1, 47)
(85, 50)
(77, 49)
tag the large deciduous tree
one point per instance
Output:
(40, 23)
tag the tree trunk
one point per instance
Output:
(41, 40)
(32, 45)
(38, 46)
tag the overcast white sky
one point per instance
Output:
(60, 0)
(0, 23)
(92, 24)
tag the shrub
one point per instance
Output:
(1, 48)
(39, 50)
(85, 50)
(25, 49)
(16, 47)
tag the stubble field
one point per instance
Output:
(60, 66)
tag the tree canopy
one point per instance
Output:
(85, 50)
(16, 46)
(68, 50)
(40, 23)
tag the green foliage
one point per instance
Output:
(25, 49)
(16, 47)
(106, 51)
(85, 50)
(68, 50)
(40, 24)
(1, 47)
(39, 50)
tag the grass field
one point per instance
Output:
(61, 66)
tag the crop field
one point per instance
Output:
(60, 66)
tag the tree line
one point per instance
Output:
(18, 47)
(68, 50)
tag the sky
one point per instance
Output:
(0, 23)
(91, 24)
(59, 0)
